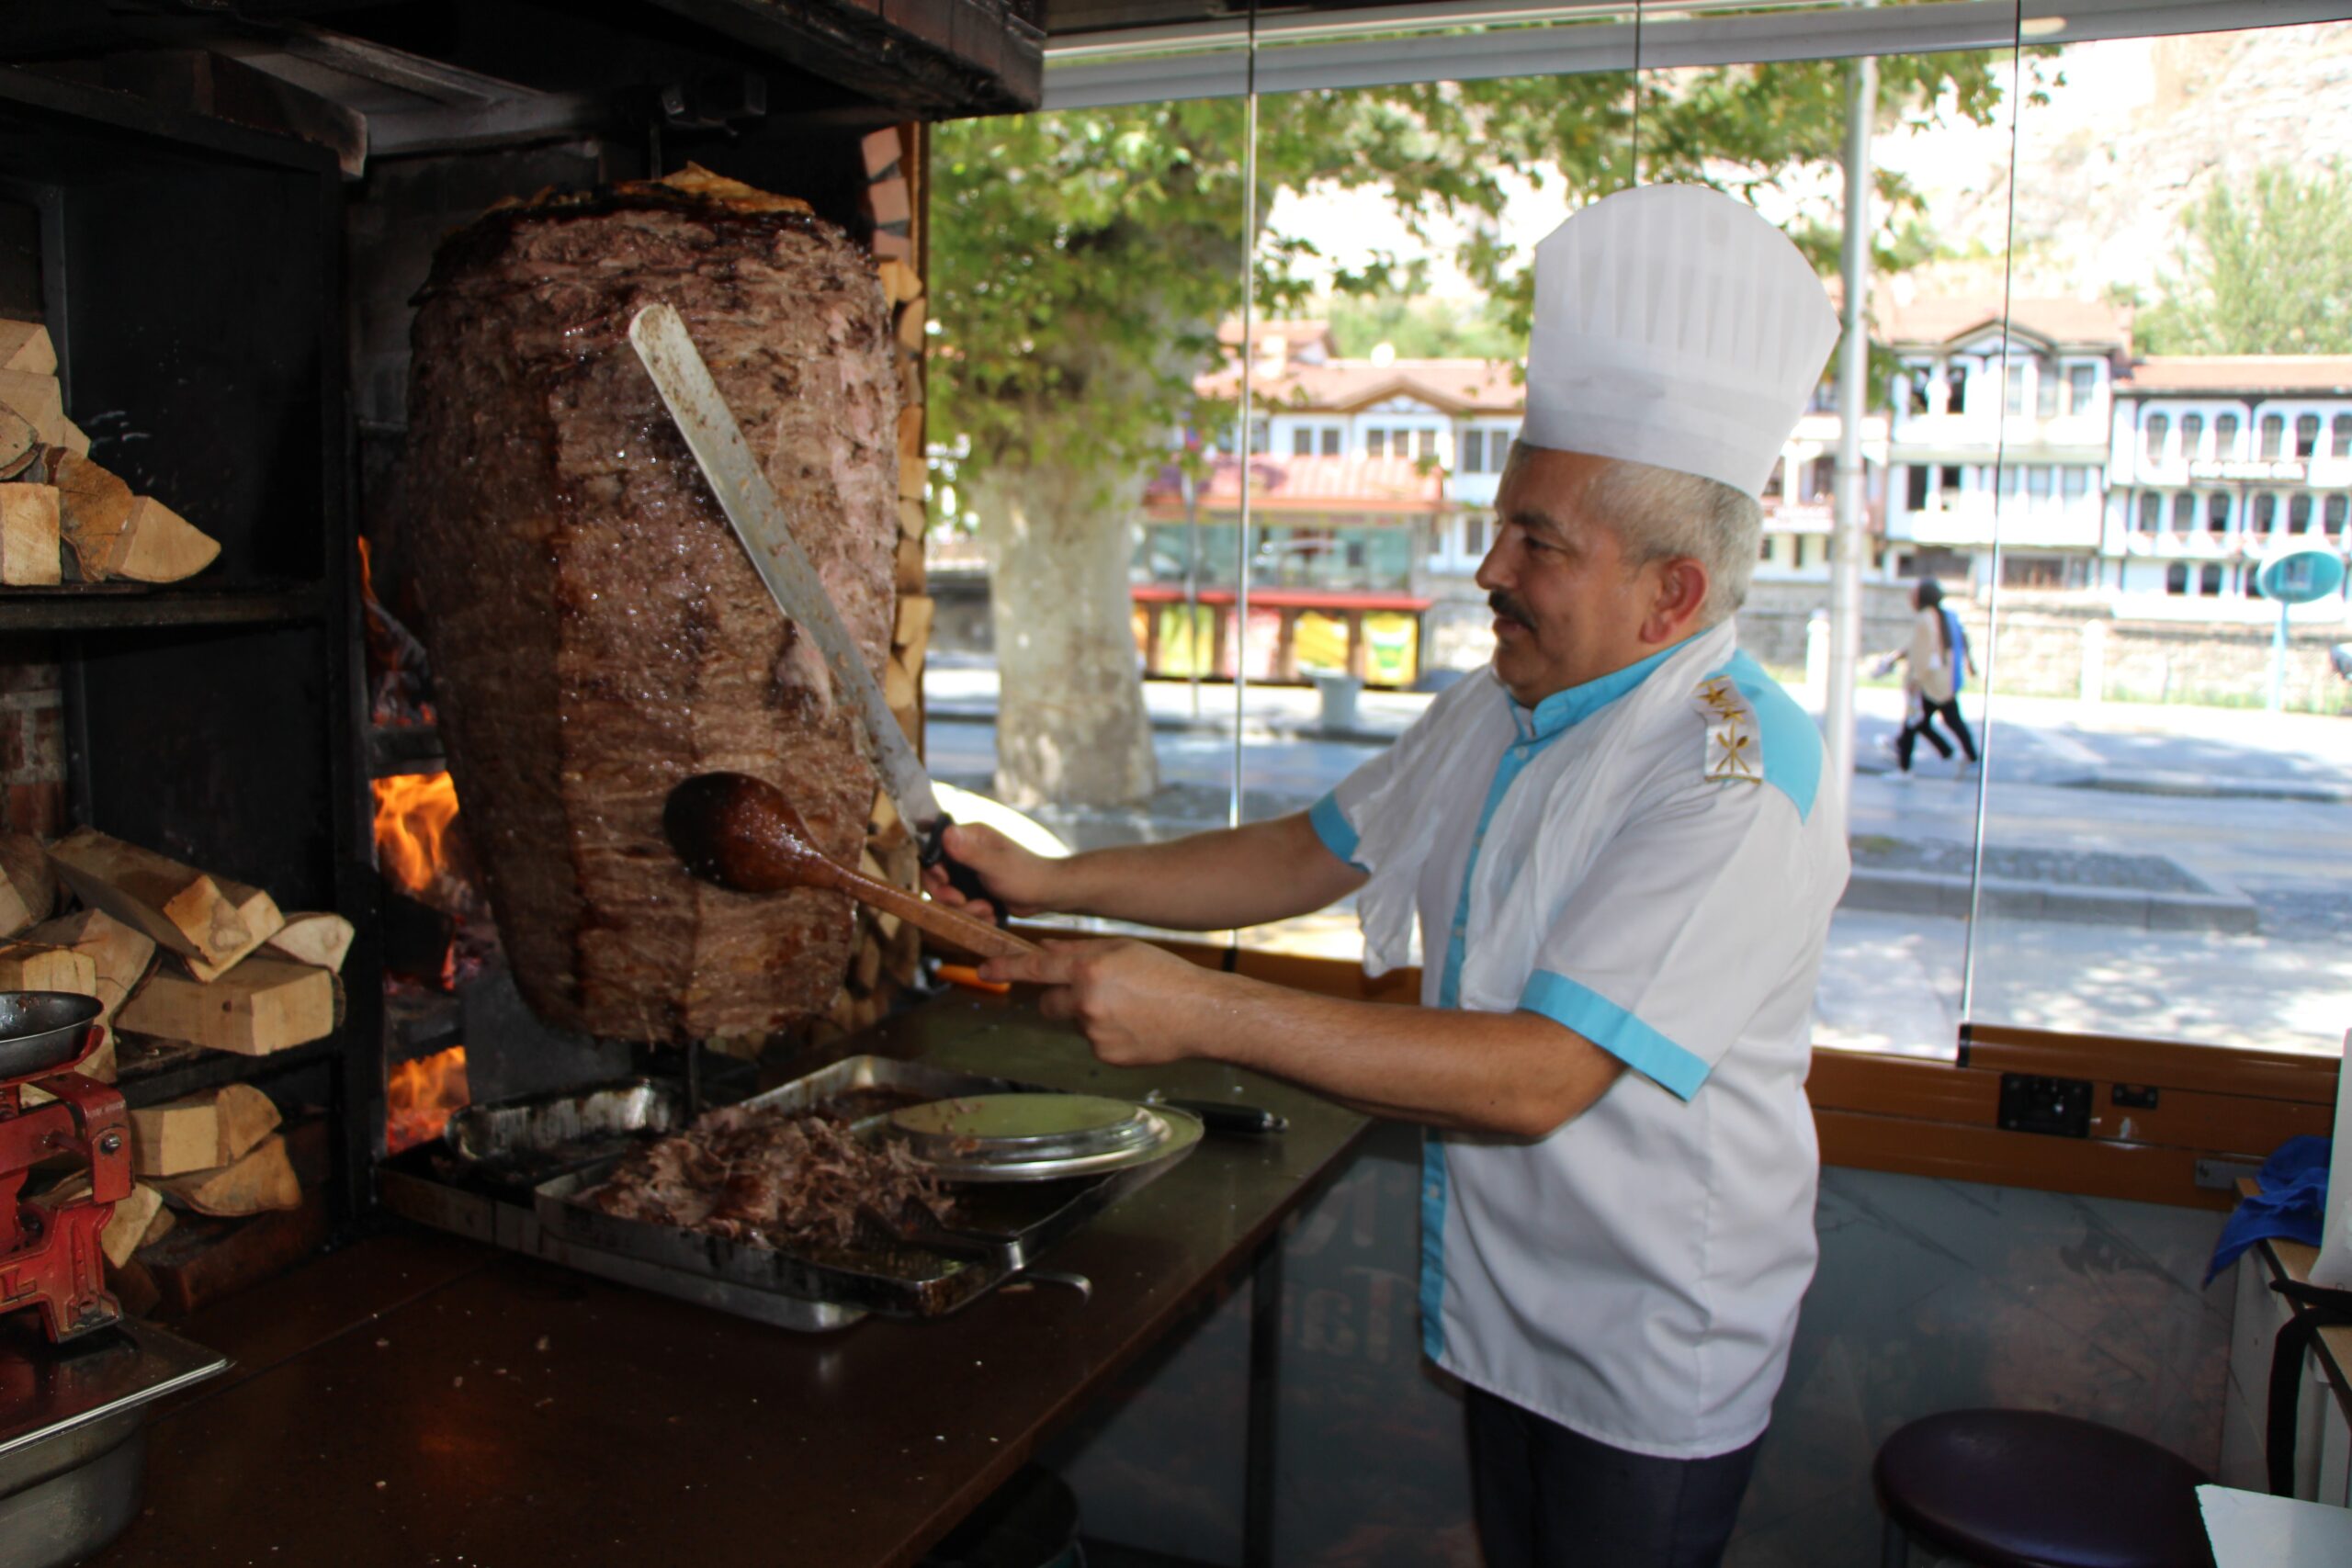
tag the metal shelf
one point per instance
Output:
(191, 1069)
(103, 606)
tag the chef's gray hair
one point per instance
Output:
(1659, 513)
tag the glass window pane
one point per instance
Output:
(2245, 948)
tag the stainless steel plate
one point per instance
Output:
(995, 1129)
(1172, 1134)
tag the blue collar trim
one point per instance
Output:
(1563, 710)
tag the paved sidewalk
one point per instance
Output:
(2260, 959)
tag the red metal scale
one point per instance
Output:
(49, 1256)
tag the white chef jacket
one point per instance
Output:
(1643, 859)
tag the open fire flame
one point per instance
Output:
(419, 1096)
(412, 816)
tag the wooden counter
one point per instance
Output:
(417, 1399)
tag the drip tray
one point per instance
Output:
(512, 1176)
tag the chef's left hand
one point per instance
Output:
(1131, 998)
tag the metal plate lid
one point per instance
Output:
(993, 1129)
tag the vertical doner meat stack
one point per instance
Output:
(597, 631)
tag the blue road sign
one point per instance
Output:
(2300, 576)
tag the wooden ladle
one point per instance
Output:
(741, 833)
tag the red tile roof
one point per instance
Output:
(1307, 484)
(1344, 386)
(2240, 373)
(1941, 319)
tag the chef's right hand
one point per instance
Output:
(1019, 883)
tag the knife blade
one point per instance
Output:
(754, 510)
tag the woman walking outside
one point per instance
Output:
(1938, 663)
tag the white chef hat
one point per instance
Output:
(1674, 326)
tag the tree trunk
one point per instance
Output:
(1072, 728)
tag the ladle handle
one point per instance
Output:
(971, 934)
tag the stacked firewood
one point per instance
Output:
(888, 949)
(59, 511)
(180, 961)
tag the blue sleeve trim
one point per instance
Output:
(1791, 744)
(1331, 826)
(1615, 1030)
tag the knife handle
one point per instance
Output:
(1225, 1116)
(961, 877)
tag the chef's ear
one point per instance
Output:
(1677, 596)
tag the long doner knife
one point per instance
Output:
(758, 518)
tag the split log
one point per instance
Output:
(160, 546)
(20, 444)
(119, 954)
(126, 1232)
(134, 1217)
(72, 438)
(160, 1225)
(263, 1005)
(900, 283)
(28, 535)
(38, 398)
(899, 687)
(881, 149)
(29, 966)
(95, 512)
(320, 939)
(210, 922)
(907, 575)
(24, 346)
(912, 633)
(263, 1180)
(914, 521)
(28, 886)
(912, 317)
(203, 1132)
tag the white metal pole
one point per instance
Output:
(1853, 402)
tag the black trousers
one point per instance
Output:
(1949, 710)
(1546, 1498)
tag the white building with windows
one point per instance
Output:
(1460, 417)
(2215, 464)
(2001, 428)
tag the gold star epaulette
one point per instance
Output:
(1734, 745)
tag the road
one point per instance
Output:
(2252, 802)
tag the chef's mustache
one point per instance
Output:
(1510, 609)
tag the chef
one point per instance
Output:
(1623, 866)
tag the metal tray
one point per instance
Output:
(564, 1129)
(997, 1232)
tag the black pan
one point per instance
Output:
(42, 1031)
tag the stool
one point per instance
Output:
(2025, 1489)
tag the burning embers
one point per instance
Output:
(420, 1096)
(437, 930)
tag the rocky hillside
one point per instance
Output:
(2136, 131)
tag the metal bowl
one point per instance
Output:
(42, 1031)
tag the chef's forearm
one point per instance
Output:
(1218, 881)
(1517, 1074)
